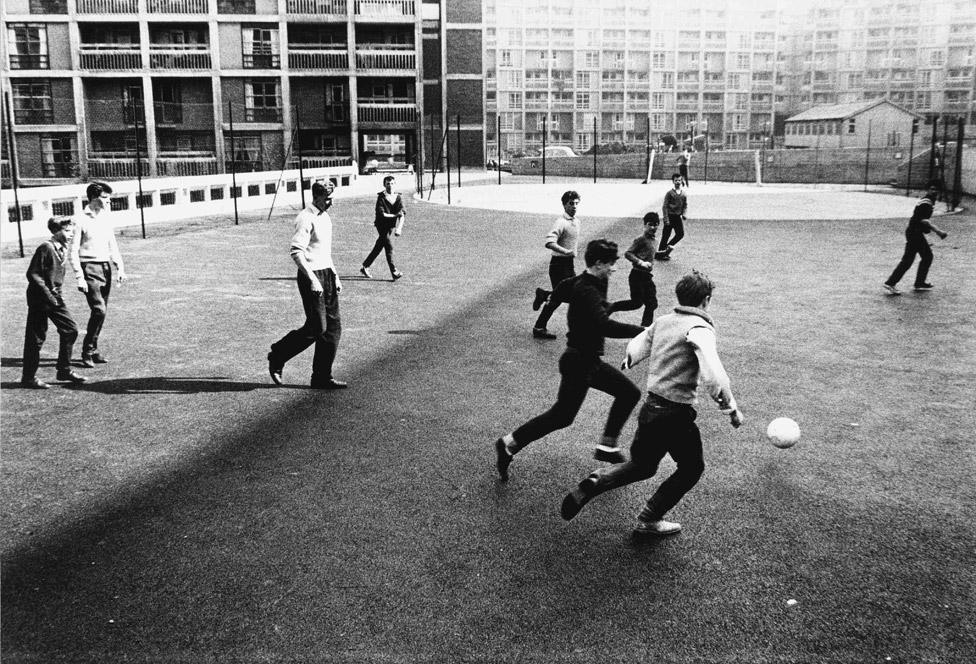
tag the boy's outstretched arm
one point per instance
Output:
(713, 375)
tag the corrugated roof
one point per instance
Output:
(841, 111)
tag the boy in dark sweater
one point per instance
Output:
(680, 349)
(919, 225)
(45, 275)
(388, 222)
(643, 292)
(581, 365)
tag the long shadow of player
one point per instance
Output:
(167, 385)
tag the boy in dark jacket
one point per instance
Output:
(643, 292)
(388, 222)
(581, 365)
(45, 275)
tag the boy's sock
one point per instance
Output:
(509, 443)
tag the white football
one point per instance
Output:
(783, 432)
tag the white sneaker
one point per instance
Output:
(656, 528)
(363, 270)
(891, 290)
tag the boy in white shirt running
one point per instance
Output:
(680, 348)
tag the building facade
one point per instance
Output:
(192, 85)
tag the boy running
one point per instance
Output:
(915, 242)
(562, 241)
(45, 276)
(680, 348)
(643, 292)
(581, 365)
(673, 213)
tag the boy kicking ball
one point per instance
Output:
(680, 349)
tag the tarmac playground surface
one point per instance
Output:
(180, 508)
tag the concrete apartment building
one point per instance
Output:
(92, 81)
(361, 79)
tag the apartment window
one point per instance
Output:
(48, 6)
(658, 60)
(236, 7)
(59, 156)
(28, 46)
(32, 102)
(515, 100)
(505, 58)
(591, 59)
(937, 58)
(582, 100)
(667, 79)
(742, 60)
(168, 103)
(261, 47)
(262, 101)
(511, 78)
(659, 40)
(583, 79)
(851, 126)
(584, 141)
(658, 121)
(658, 101)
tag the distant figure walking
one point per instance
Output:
(682, 162)
(388, 223)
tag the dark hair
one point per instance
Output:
(54, 224)
(676, 176)
(693, 288)
(569, 195)
(96, 189)
(319, 189)
(652, 218)
(600, 251)
(388, 178)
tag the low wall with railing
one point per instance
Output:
(169, 199)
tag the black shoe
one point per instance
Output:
(575, 499)
(503, 459)
(663, 255)
(609, 454)
(363, 270)
(34, 384)
(396, 274)
(541, 296)
(87, 361)
(98, 358)
(274, 369)
(331, 384)
(69, 376)
(925, 286)
(542, 333)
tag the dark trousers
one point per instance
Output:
(915, 243)
(322, 327)
(674, 223)
(580, 373)
(98, 276)
(683, 172)
(384, 242)
(643, 293)
(663, 427)
(560, 268)
(38, 314)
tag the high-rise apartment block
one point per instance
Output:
(192, 85)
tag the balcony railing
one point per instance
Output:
(317, 7)
(320, 160)
(108, 6)
(611, 85)
(385, 8)
(179, 56)
(109, 56)
(382, 112)
(262, 60)
(182, 166)
(168, 112)
(310, 56)
(29, 61)
(385, 59)
(33, 116)
(114, 165)
(177, 6)
(262, 114)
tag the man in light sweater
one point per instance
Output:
(93, 252)
(319, 286)
(680, 348)
(563, 241)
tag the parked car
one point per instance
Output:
(555, 151)
(492, 165)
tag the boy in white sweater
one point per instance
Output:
(680, 349)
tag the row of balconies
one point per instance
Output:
(116, 57)
(372, 9)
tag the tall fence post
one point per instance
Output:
(418, 157)
(911, 155)
(545, 130)
(707, 148)
(447, 155)
(932, 147)
(458, 155)
(12, 156)
(867, 158)
(647, 151)
(142, 212)
(594, 150)
(957, 178)
(434, 162)
(298, 137)
(945, 152)
(233, 162)
(498, 146)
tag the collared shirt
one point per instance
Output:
(565, 233)
(45, 274)
(675, 202)
(313, 238)
(94, 242)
